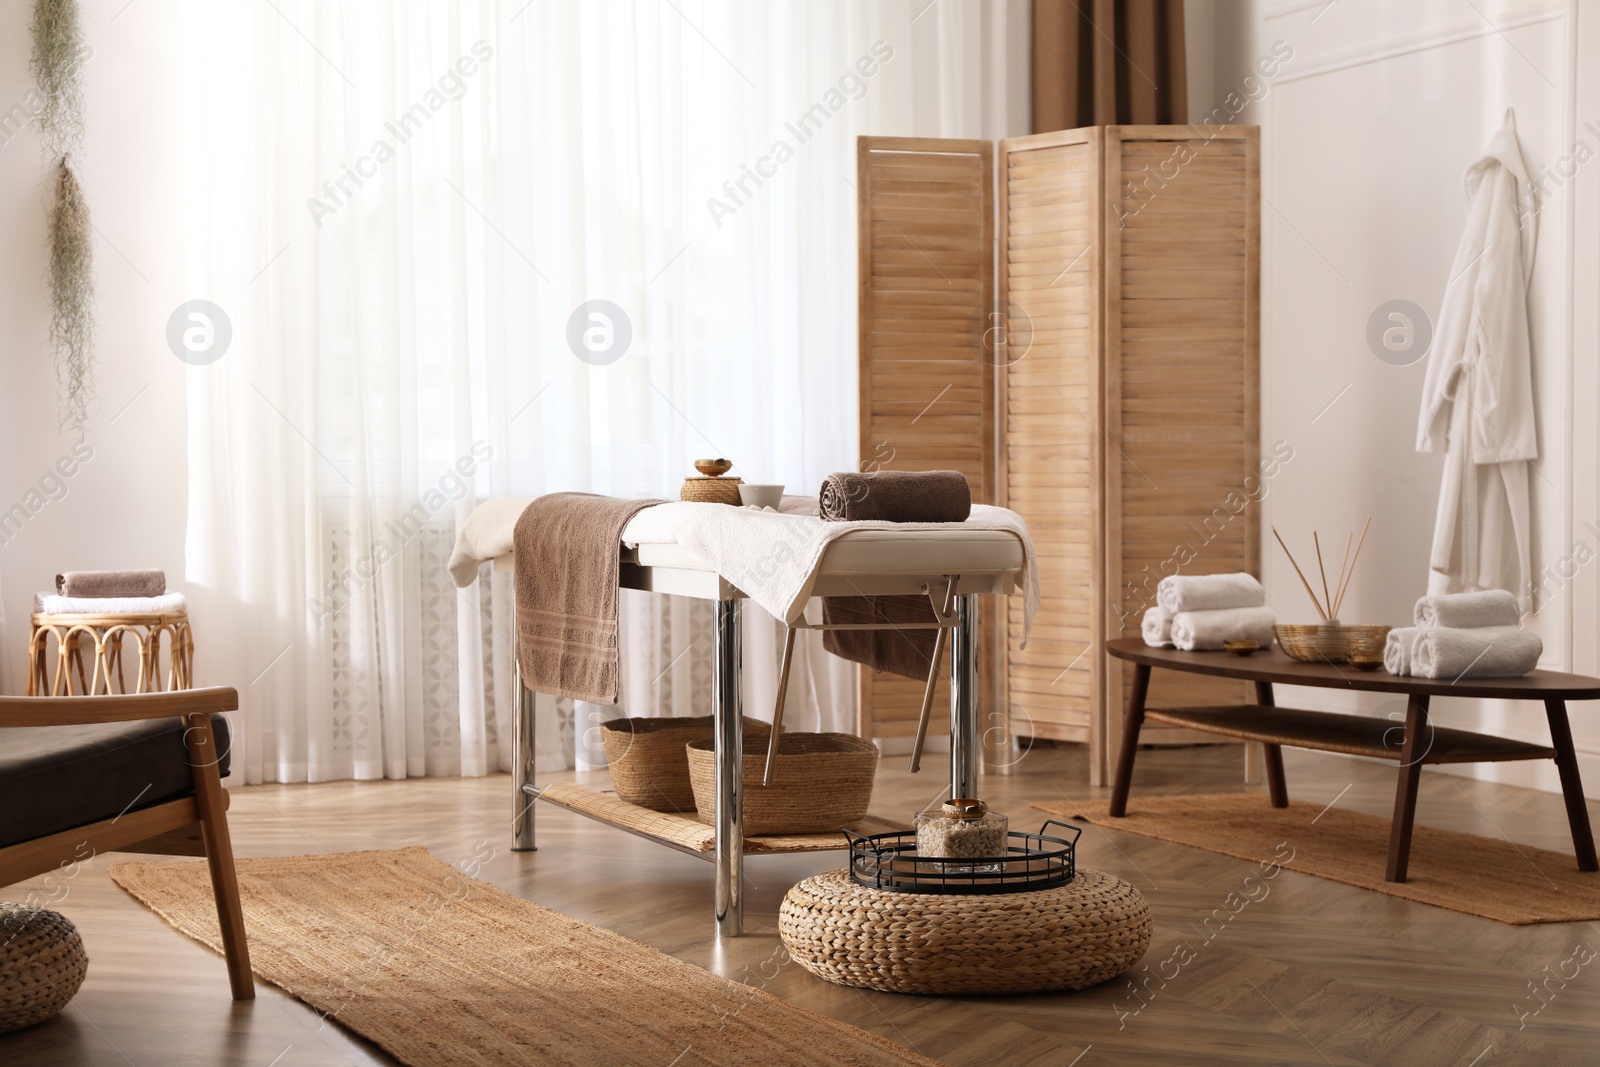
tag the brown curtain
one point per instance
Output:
(1108, 62)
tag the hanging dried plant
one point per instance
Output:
(71, 299)
(58, 55)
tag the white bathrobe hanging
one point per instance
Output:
(1477, 399)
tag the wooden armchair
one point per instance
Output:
(80, 790)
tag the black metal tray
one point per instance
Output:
(1032, 861)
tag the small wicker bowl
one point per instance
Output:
(1364, 646)
(822, 783)
(1333, 642)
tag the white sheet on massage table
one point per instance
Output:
(775, 559)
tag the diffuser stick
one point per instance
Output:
(1356, 557)
(1327, 598)
(1297, 570)
(1344, 565)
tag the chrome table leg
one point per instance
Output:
(729, 730)
(522, 769)
(965, 754)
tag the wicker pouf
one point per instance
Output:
(1085, 932)
(42, 964)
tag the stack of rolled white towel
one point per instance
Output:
(1205, 611)
(1464, 635)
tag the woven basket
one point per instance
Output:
(711, 490)
(42, 964)
(648, 761)
(822, 782)
(1364, 645)
(1312, 642)
(1332, 642)
(1079, 934)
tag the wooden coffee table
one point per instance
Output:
(1414, 745)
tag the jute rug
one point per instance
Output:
(1493, 878)
(439, 968)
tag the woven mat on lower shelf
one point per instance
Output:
(439, 968)
(1492, 878)
(688, 831)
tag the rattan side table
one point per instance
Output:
(105, 634)
(1080, 934)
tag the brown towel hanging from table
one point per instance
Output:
(567, 549)
(907, 653)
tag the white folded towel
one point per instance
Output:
(1157, 628)
(1481, 652)
(1200, 630)
(1397, 649)
(1209, 592)
(1465, 611)
(51, 604)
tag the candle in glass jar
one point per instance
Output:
(961, 829)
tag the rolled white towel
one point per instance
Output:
(1466, 611)
(1157, 628)
(1397, 649)
(1209, 592)
(1481, 652)
(1202, 630)
(51, 604)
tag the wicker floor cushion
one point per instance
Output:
(1076, 935)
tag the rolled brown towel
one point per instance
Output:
(111, 583)
(896, 496)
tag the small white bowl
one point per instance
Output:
(760, 496)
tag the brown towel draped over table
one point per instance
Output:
(111, 583)
(907, 653)
(567, 561)
(892, 496)
(896, 496)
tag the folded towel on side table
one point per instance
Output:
(110, 605)
(1482, 652)
(1157, 628)
(1397, 649)
(111, 583)
(1464, 611)
(1195, 631)
(896, 496)
(1209, 592)
(567, 561)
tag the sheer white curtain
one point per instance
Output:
(399, 209)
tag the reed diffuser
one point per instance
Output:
(1330, 641)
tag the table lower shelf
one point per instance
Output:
(687, 833)
(1355, 735)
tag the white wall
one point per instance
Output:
(125, 507)
(1366, 133)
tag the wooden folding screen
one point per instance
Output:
(1182, 394)
(1051, 242)
(1125, 382)
(926, 254)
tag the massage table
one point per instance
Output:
(952, 563)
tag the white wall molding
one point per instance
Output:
(1423, 42)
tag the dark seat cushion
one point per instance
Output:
(54, 778)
